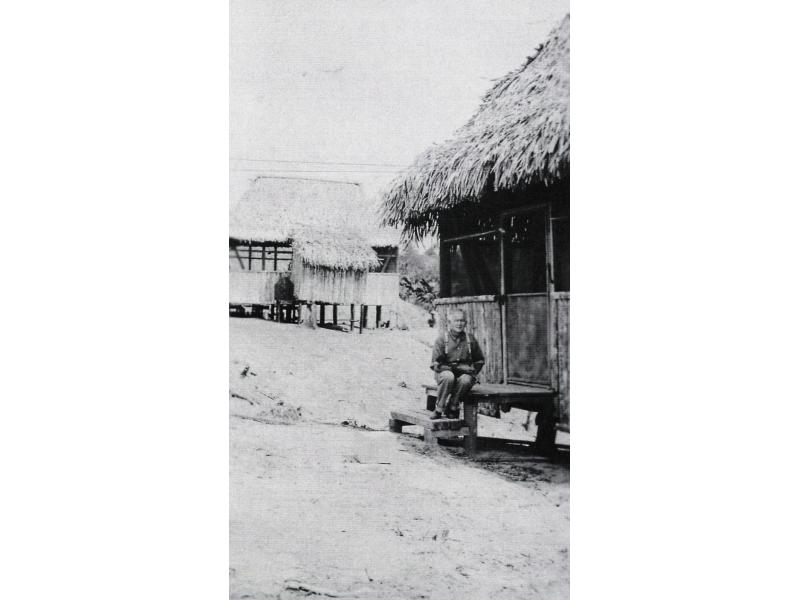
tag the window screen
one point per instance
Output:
(473, 266)
(526, 254)
(561, 254)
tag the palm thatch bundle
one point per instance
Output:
(518, 137)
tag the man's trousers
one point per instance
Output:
(452, 390)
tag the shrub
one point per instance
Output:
(419, 276)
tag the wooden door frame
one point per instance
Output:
(548, 291)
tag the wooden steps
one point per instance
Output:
(534, 398)
(432, 430)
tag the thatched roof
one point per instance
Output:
(518, 137)
(330, 223)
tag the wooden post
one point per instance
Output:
(335, 314)
(352, 316)
(429, 400)
(552, 362)
(362, 319)
(429, 438)
(545, 431)
(444, 260)
(309, 318)
(322, 313)
(503, 317)
(377, 317)
(471, 419)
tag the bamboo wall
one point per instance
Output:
(483, 321)
(251, 287)
(318, 284)
(382, 289)
(562, 354)
(527, 326)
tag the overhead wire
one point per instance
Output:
(377, 172)
(318, 162)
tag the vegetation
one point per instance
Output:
(419, 276)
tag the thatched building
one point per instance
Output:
(323, 232)
(497, 194)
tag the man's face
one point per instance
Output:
(457, 323)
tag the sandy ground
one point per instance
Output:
(324, 501)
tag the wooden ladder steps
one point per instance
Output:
(432, 430)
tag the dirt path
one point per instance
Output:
(322, 509)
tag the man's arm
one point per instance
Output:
(478, 360)
(438, 357)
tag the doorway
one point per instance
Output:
(527, 268)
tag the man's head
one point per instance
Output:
(457, 320)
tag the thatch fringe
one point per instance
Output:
(518, 137)
(335, 286)
(340, 250)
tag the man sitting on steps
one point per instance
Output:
(457, 360)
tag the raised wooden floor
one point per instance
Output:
(506, 395)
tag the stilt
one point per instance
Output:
(335, 314)
(471, 419)
(377, 317)
(545, 433)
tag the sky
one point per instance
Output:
(372, 83)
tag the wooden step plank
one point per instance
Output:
(493, 390)
(451, 433)
(423, 418)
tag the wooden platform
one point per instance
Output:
(538, 399)
(509, 395)
(432, 430)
